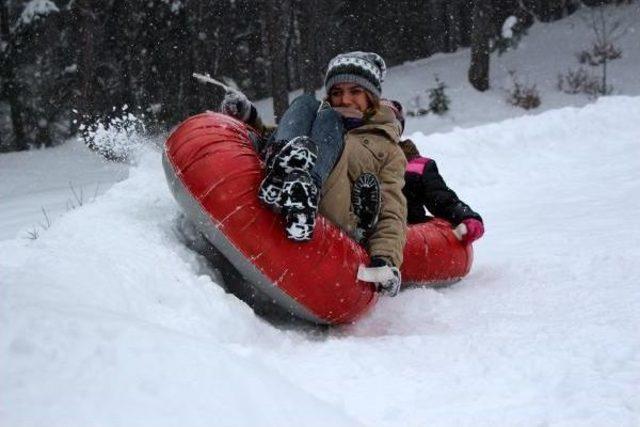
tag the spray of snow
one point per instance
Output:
(507, 27)
(36, 9)
(175, 5)
(119, 138)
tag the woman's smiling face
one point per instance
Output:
(349, 95)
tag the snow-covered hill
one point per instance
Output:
(108, 319)
(23, 176)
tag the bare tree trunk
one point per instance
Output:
(604, 90)
(277, 20)
(438, 30)
(307, 26)
(10, 84)
(293, 75)
(48, 109)
(453, 19)
(86, 69)
(480, 33)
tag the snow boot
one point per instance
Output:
(299, 154)
(365, 203)
(299, 205)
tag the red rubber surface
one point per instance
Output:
(211, 154)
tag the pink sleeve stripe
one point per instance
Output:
(417, 165)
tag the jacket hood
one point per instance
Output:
(384, 121)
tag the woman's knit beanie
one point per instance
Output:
(366, 69)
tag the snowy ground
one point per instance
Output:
(107, 319)
(37, 186)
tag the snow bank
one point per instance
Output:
(544, 330)
(45, 180)
(108, 319)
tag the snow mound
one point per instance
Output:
(108, 319)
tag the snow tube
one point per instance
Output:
(214, 173)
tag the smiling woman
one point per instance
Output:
(339, 157)
(214, 174)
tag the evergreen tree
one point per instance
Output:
(438, 99)
(93, 56)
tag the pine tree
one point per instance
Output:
(438, 99)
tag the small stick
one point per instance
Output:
(208, 79)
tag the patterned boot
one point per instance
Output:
(299, 205)
(299, 154)
(365, 203)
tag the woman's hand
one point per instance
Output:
(390, 286)
(236, 104)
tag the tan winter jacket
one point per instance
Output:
(371, 148)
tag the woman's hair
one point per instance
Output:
(409, 149)
(373, 100)
(374, 105)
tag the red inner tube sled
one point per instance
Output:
(214, 174)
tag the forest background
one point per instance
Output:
(68, 63)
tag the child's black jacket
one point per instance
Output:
(425, 187)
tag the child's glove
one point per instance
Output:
(236, 104)
(469, 230)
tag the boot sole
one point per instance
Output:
(299, 154)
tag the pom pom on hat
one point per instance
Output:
(366, 69)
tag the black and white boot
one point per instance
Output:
(365, 202)
(299, 205)
(299, 154)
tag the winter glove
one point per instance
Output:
(469, 230)
(385, 276)
(236, 104)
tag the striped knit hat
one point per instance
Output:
(366, 69)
